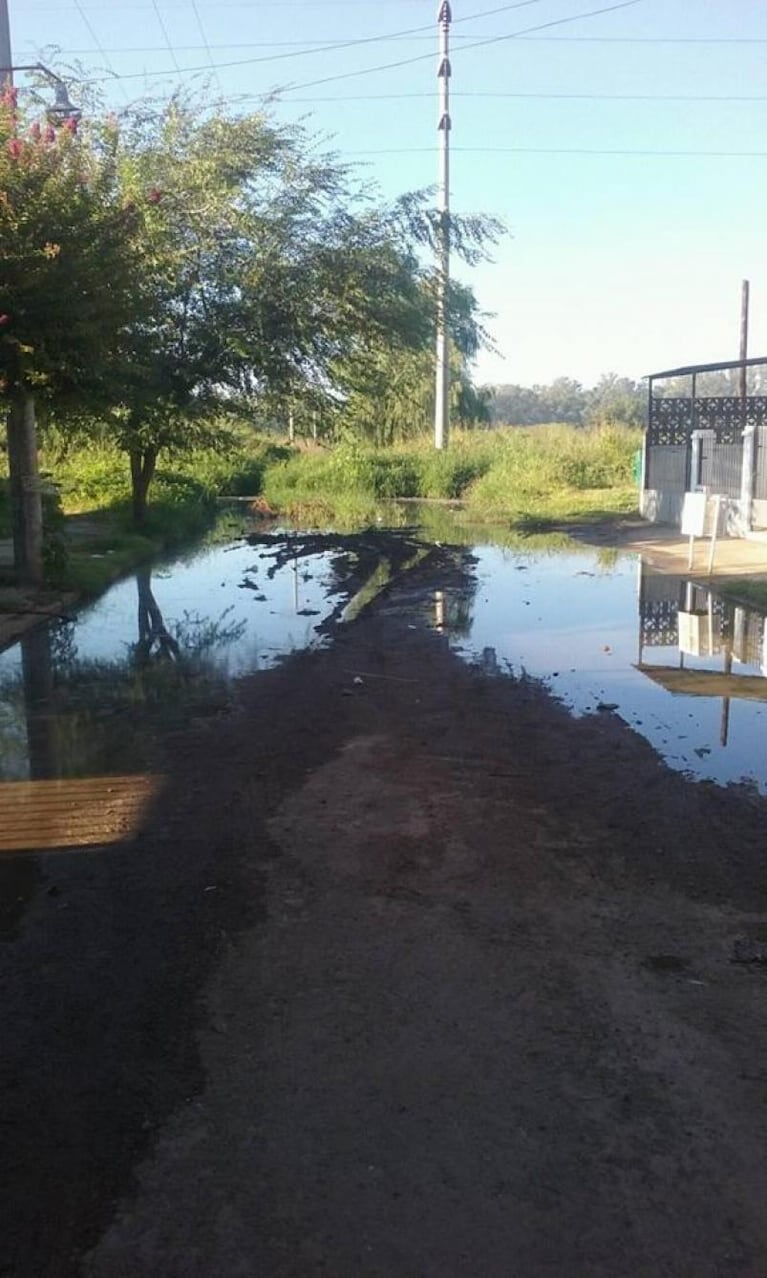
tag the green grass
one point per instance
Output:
(546, 473)
(94, 490)
(90, 537)
(518, 483)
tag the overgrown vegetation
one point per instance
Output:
(550, 472)
(519, 482)
(90, 535)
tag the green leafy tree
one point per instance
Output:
(263, 277)
(616, 400)
(66, 286)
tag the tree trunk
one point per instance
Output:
(37, 670)
(26, 499)
(142, 467)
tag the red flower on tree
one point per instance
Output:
(154, 195)
(4, 319)
(15, 148)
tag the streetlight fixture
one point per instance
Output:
(63, 108)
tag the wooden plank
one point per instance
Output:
(73, 812)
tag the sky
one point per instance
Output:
(626, 151)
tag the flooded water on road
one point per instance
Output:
(608, 635)
(98, 695)
(95, 695)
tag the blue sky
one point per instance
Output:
(626, 262)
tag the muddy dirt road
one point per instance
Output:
(406, 977)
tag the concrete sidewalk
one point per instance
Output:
(667, 550)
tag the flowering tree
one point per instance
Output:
(66, 286)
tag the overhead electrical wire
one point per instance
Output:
(536, 96)
(478, 44)
(164, 30)
(337, 46)
(592, 13)
(206, 43)
(94, 35)
(420, 35)
(560, 150)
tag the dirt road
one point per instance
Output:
(410, 977)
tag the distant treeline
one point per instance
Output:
(613, 400)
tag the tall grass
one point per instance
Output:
(558, 472)
(544, 471)
(95, 478)
(517, 478)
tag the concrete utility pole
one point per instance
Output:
(442, 388)
(748, 463)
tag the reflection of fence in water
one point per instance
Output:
(667, 604)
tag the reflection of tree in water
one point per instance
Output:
(153, 636)
(67, 715)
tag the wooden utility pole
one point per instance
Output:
(442, 387)
(743, 388)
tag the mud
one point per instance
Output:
(409, 972)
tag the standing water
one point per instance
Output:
(606, 634)
(98, 695)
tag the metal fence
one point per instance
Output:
(699, 440)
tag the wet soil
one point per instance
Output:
(409, 973)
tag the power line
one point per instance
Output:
(164, 30)
(650, 39)
(538, 96)
(97, 42)
(319, 6)
(397, 37)
(623, 4)
(514, 35)
(559, 150)
(326, 48)
(203, 33)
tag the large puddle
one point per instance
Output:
(98, 695)
(679, 664)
